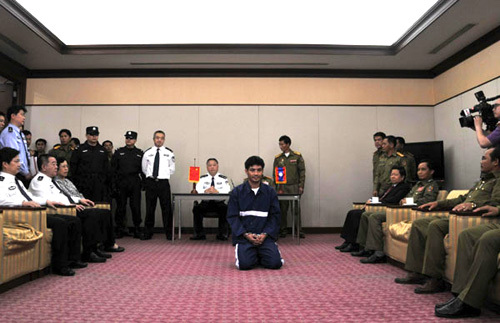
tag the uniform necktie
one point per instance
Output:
(213, 182)
(23, 192)
(156, 165)
(65, 194)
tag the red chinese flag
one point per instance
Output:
(194, 174)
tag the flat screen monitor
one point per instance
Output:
(432, 150)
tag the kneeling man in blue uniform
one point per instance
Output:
(254, 216)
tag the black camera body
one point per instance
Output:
(483, 109)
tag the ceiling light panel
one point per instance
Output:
(312, 22)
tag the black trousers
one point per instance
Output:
(158, 190)
(129, 187)
(351, 225)
(97, 228)
(94, 187)
(201, 209)
(66, 239)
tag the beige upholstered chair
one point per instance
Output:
(21, 242)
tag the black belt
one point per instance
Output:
(157, 179)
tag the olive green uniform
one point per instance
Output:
(63, 151)
(408, 162)
(476, 266)
(376, 156)
(383, 174)
(295, 179)
(370, 232)
(426, 253)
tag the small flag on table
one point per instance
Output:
(280, 173)
(194, 174)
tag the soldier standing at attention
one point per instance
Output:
(388, 160)
(378, 137)
(64, 148)
(292, 182)
(127, 177)
(408, 160)
(90, 168)
(158, 164)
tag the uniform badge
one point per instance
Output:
(430, 189)
(11, 188)
(40, 178)
(10, 129)
(293, 161)
(280, 174)
(2, 178)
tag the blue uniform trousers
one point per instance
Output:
(249, 255)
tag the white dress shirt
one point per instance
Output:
(167, 162)
(10, 194)
(221, 183)
(41, 186)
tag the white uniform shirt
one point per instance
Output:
(41, 186)
(10, 195)
(167, 162)
(221, 183)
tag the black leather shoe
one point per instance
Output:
(411, 278)
(457, 309)
(137, 234)
(302, 235)
(65, 271)
(362, 253)
(221, 237)
(198, 238)
(374, 259)
(93, 258)
(77, 264)
(444, 304)
(352, 247)
(342, 246)
(102, 254)
(146, 236)
(431, 286)
(114, 249)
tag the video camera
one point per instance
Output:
(483, 109)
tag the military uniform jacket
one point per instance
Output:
(480, 193)
(89, 160)
(167, 162)
(376, 156)
(254, 213)
(62, 151)
(424, 191)
(221, 183)
(41, 186)
(295, 168)
(12, 137)
(383, 175)
(408, 162)
(10, 194)
(127, 162)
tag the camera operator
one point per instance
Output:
(484, 138)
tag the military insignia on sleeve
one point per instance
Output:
(173, 158)
(40, 178)
(10, 129)
(2, 178)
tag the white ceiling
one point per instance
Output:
(41, 53)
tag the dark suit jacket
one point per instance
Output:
(396, 193)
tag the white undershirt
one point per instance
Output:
(287, 154)
(255, 190)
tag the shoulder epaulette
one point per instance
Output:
(400, 154)
(203, 175)
(169, 149)
(296, 152)
(222, 176)
(278, 155)
(57, 146)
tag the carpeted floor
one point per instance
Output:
(196, 281)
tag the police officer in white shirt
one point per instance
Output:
(66, 238)
(211, 183)
(158, 164)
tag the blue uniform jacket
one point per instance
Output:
(12, 137)
(248, 212)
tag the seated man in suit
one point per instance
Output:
(254, 215)
(370, 234)
(66, 230)
(211, 183)
(425, 256)
(44, 186)
(477, 257)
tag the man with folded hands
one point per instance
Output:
(66, 230)
(425, 260)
